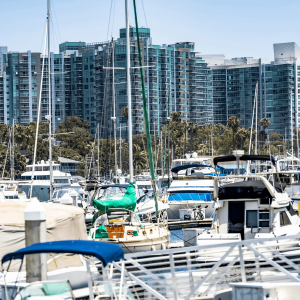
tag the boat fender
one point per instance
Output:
(153, 248)
(163, 246)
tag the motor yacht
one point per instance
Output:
(191, 187)
(250, 208)
(41, 182)
(11, 190)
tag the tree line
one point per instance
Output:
(74, 141)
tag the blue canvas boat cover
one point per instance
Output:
(105, 252)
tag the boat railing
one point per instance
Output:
(199, 271)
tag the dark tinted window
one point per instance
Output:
(251, 218)
(291, 210)
(284, 219)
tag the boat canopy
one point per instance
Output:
(127, 202)
(105, 252)
(244, 158)
(187, 166)
(250, 189)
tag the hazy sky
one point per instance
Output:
(232, 27)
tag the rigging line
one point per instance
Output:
(109, 20)
(144, 13)
(56, 20)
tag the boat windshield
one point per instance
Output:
(114, 191)
(142, 178)
(46, 289)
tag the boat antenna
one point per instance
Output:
(145, 108)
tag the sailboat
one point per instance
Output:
(116, 222)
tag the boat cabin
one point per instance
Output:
(252, 206)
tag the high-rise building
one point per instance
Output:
(175, 81)
(234, 84)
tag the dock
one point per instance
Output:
(180, 224)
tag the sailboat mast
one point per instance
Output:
(292, 139)
(129, 92)
(98, 134)
(12, 159)
(114, 101)
(256, 121)
(120, 148)
(49, 85)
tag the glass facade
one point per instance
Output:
(234, 92)
(174, 80)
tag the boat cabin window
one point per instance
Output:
(251, 218)
(143, 178)
(264, 218)
(28, 168)
(38, 168)
(284, 219)
(291, 210)
(46, 168)
(142, 199)
(61, 181)
(146, 186)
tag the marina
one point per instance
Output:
(126, 198)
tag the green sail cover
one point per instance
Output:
(127, 202)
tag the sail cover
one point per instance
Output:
(127, 202)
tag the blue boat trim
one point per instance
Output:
(207, 197)
(105, 252)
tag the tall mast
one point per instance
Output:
(49, 85)
(120, 149)
(114, 102)
(12, 159)
(129, 93)
(292, 135)
(98, 152)
(256, 120)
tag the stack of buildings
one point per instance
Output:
(203, 88)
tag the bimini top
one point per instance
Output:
(250, 189)
(243, 157)
(105, 252)
(184, 167)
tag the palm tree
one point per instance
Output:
(139, 157)
(242, 134)
(192, 130)
(265, 123)
(233, 123)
